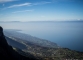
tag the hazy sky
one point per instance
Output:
(41, 10)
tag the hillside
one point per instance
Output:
(37, 41)
(8, 53)
(39, 51)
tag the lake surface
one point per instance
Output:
(65, 34)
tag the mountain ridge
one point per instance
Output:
(29, 38)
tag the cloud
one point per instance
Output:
(41, 3)
(23, 11)
(78, 19)
(19, 5)
(26, 4)
(4, 1)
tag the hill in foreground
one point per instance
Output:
(8, 53)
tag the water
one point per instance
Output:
(65, 34)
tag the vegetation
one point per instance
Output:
(42, 52)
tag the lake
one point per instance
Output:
(65, 34)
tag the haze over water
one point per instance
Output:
(65, 34)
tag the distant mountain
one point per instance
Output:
(37, 41)
(9, 21)
(79, 20)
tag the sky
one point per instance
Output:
(41, 10)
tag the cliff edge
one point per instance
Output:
(7, 52)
